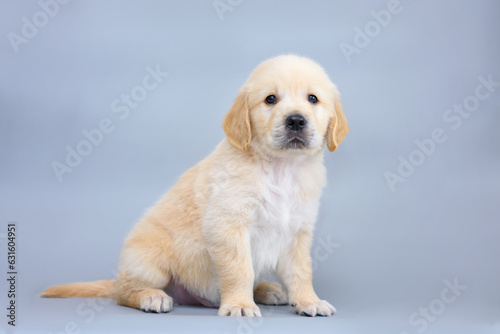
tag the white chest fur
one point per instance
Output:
(283, 210)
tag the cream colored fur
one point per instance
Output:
(246, 210)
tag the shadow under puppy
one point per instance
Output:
(246, 210)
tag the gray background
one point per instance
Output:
(395, 248)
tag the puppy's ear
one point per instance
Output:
(338, 127)
(236, 125)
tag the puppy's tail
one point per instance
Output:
(96, 289)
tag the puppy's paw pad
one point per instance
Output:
(156, 301)
(319, 308)
(270, 293)
(232, 310)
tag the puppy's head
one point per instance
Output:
(288, 105)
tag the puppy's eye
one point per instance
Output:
(271, 99)
(312, 98)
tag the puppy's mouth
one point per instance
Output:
(293, 140)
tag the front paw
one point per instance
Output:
(312, 309)
(239, 309)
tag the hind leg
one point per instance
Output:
(141, 281)
(270, 293)
(147, 300)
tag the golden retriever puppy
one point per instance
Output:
(245, 211)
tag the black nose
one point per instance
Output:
(296, 122)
